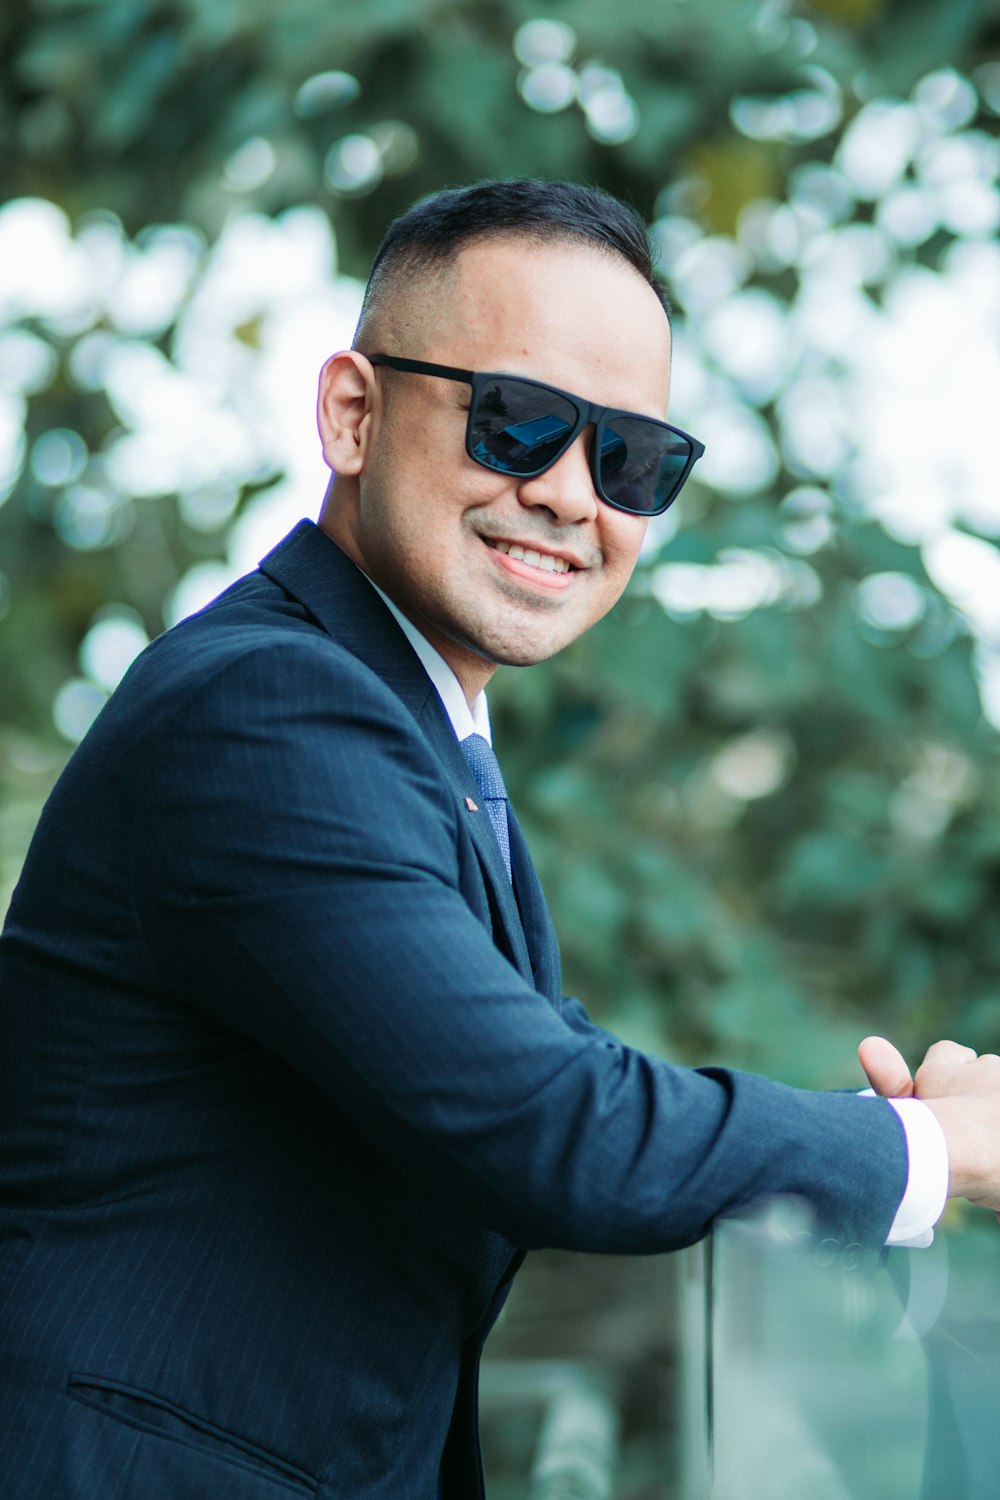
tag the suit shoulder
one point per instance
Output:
(254, 637)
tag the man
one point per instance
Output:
(289, 1081)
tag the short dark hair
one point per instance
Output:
(430, 235)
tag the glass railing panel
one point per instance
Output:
(813, 1369)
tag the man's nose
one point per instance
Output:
(567, 489)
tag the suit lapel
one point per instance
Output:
(316, 572)
(539, 933)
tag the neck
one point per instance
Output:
(473, 672)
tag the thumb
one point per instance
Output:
(886, 1068)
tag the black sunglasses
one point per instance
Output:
(523, 427)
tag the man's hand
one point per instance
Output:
(963, 1090)
(886, 1068)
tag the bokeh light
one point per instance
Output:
(329, 90)
(251, 165)
(353, 165)
(112, 643)
(863, 376)
(542, 42)
(754, 765)
(58, 457)
(76, 706)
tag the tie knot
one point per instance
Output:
(485, 767)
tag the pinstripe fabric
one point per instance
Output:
(286, 1080)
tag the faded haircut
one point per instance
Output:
(429, 237)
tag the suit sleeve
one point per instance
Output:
(300, 857)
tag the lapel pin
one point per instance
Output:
(471, 805)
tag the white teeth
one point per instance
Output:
(543, 560)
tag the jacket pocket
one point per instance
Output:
(188, 1438)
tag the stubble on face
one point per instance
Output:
(439, 533)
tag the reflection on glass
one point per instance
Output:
(815, 1369)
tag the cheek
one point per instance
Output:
(621, 540)
(422, 477)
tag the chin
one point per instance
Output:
(518, 652)
(515, 658)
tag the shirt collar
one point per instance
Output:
(464, 720)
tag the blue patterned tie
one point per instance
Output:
(486, 769)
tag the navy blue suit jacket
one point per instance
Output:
(287, 1083)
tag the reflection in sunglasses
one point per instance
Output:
(491, 403)
(526, 437)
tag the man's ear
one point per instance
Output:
(347, 393)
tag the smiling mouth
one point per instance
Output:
(546, 562)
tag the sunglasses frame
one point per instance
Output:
(587, 412)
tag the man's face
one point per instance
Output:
(434, 529)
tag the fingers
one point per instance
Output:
(945, 1070)
(886, 1068)
(948, 1068)
(949, 1053)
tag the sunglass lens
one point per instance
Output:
(641, 464)
(518, 427)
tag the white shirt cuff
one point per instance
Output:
(927, 1176)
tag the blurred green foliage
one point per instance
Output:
(766, 922)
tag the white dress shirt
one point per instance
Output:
(927, 1154)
